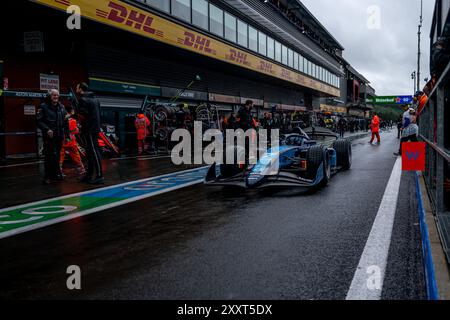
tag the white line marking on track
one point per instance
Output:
(94, 210)
(97, 209)
(97, 190)
(376, 251)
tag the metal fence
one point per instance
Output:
(434, 126)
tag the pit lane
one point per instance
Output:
(202, 243)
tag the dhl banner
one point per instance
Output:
(130, 18)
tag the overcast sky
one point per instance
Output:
(386, 56)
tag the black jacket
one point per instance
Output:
(53, 118)
(245, 119)
(89, 111)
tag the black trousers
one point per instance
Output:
(93, 155)
(52, 151)
(412, 138)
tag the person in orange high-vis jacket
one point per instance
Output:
(375, 126)
(141, 123)
(70, 144)
(423, 99)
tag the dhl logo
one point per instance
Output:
(197, 42)
(286, 74)
(130, 18)
(266, 67)
(238, 56)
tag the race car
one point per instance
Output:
(299, 162)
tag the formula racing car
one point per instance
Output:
(300, 161)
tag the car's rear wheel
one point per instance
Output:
(343, 149)
(318, 155)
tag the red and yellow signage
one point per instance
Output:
(130, 18)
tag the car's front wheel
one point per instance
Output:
(343, 149)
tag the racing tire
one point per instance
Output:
(315, 157)
(343, 149)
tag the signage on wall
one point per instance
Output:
(133, 19)
(48, 82)
(386, 100)
(188, 94)
(256, 102)
(33, 41)
(98, 84)
(29, 110)
(214, 97)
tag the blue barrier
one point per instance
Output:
(430, 278)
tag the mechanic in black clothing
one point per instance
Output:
(180, 117)
(245, 123)
(245, 116)
(52, 119)
(342, 126)
(89, 114)
(232, 122)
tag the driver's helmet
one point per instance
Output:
(297, 130)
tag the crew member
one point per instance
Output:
(89, 111)
(342, 126)
(246, 123)
(70, 144)
(410, 130)
(375, 126)
(142, 124)
(180, 117)
(52, 120)
(232, 122)
(245, 116)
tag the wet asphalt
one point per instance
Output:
(209, 243)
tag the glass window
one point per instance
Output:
(262, 43)
(252, 39)
(270, 48)
(200, 13)
(309, 68)
(277, 51)
(230, 27)
(215, 20)
(295, 60)
(284, 55)
(182, 9)
(302, 64)
(289, 52)
(163, 5)
(291, 58)
(242, 34)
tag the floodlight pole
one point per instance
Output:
(418, 51)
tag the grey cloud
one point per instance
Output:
(386, 56)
